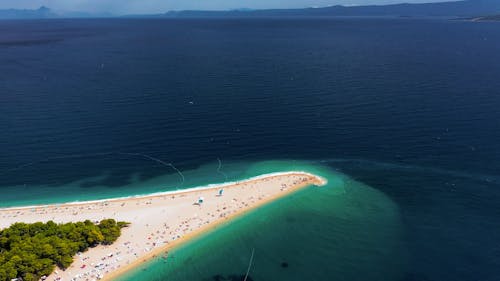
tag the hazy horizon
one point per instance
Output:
(159, 6)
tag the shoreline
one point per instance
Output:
(163, 193)
(153, 215)
(201, 231)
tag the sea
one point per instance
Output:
(401, 115)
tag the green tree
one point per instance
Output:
(29, 251)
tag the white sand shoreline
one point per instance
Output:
(159, 221)
(163, 193)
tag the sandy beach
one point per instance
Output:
(158, 221)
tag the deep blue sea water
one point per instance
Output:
(407, 110)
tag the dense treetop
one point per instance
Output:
(29, 251)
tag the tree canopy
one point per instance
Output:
(29, 251)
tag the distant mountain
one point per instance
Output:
(460, 9)
(40, 13)
(46, 13)
(442, 9)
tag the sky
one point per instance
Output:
(159, 6)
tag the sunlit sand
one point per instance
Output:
(158, 221)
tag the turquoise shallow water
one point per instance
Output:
(345, 229)
(96, 187)
(408, 107)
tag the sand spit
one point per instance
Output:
(158, 221)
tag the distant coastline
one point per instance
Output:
(454, 9)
